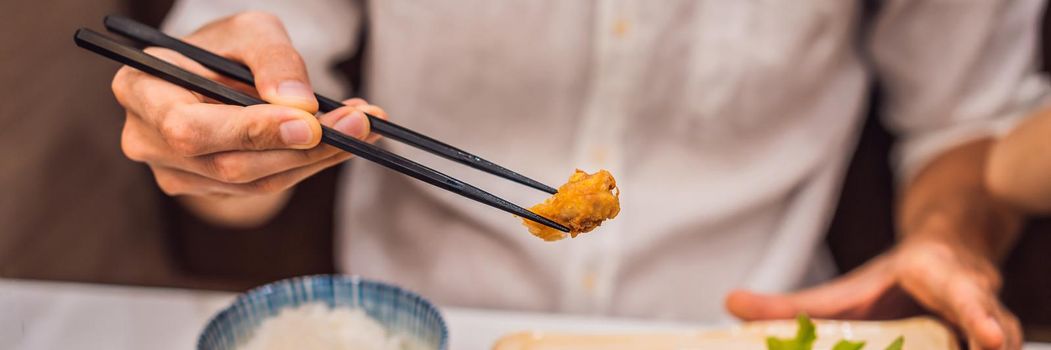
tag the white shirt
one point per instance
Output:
(727, 124)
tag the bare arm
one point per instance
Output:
(949, 199)
(1019, 170)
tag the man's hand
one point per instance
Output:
(213, 153)
(952, 233)
(957, 285)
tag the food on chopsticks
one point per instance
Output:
(317, 326)
(806, 334)
(582, 204)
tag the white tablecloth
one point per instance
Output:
(50, 315)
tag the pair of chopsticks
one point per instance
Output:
(100, 44)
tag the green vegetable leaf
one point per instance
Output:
(848, 345)
(804, 340)
(806, 334)
(897, 344)
(783, 344)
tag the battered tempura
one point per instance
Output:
(581, 204)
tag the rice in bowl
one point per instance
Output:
(317, 326)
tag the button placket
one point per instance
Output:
(589, 282)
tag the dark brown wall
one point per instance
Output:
(73, 208)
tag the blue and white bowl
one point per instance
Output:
(398, 310)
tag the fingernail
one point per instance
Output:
(352, 124)
(294, 89)
(295, 132)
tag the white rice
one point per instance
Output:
(316, 326)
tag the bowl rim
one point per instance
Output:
(443, 335)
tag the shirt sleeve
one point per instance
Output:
(953, 71)
(323, 31)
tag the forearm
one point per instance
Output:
(236, 211)
(948, 202)
(1019, 168)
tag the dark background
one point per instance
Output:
(74, 209)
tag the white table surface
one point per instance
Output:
(50, 315)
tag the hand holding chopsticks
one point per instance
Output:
(151, 65)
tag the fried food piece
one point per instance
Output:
(581, 204)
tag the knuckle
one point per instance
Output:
(255, 134)
(921, 260)
(229, 168)
(119, 85)
(123, 85)
(915, 269)
(180, 136)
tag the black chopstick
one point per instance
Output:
(100, 44)
(153, 37)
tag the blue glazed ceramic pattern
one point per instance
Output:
(400, 311)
